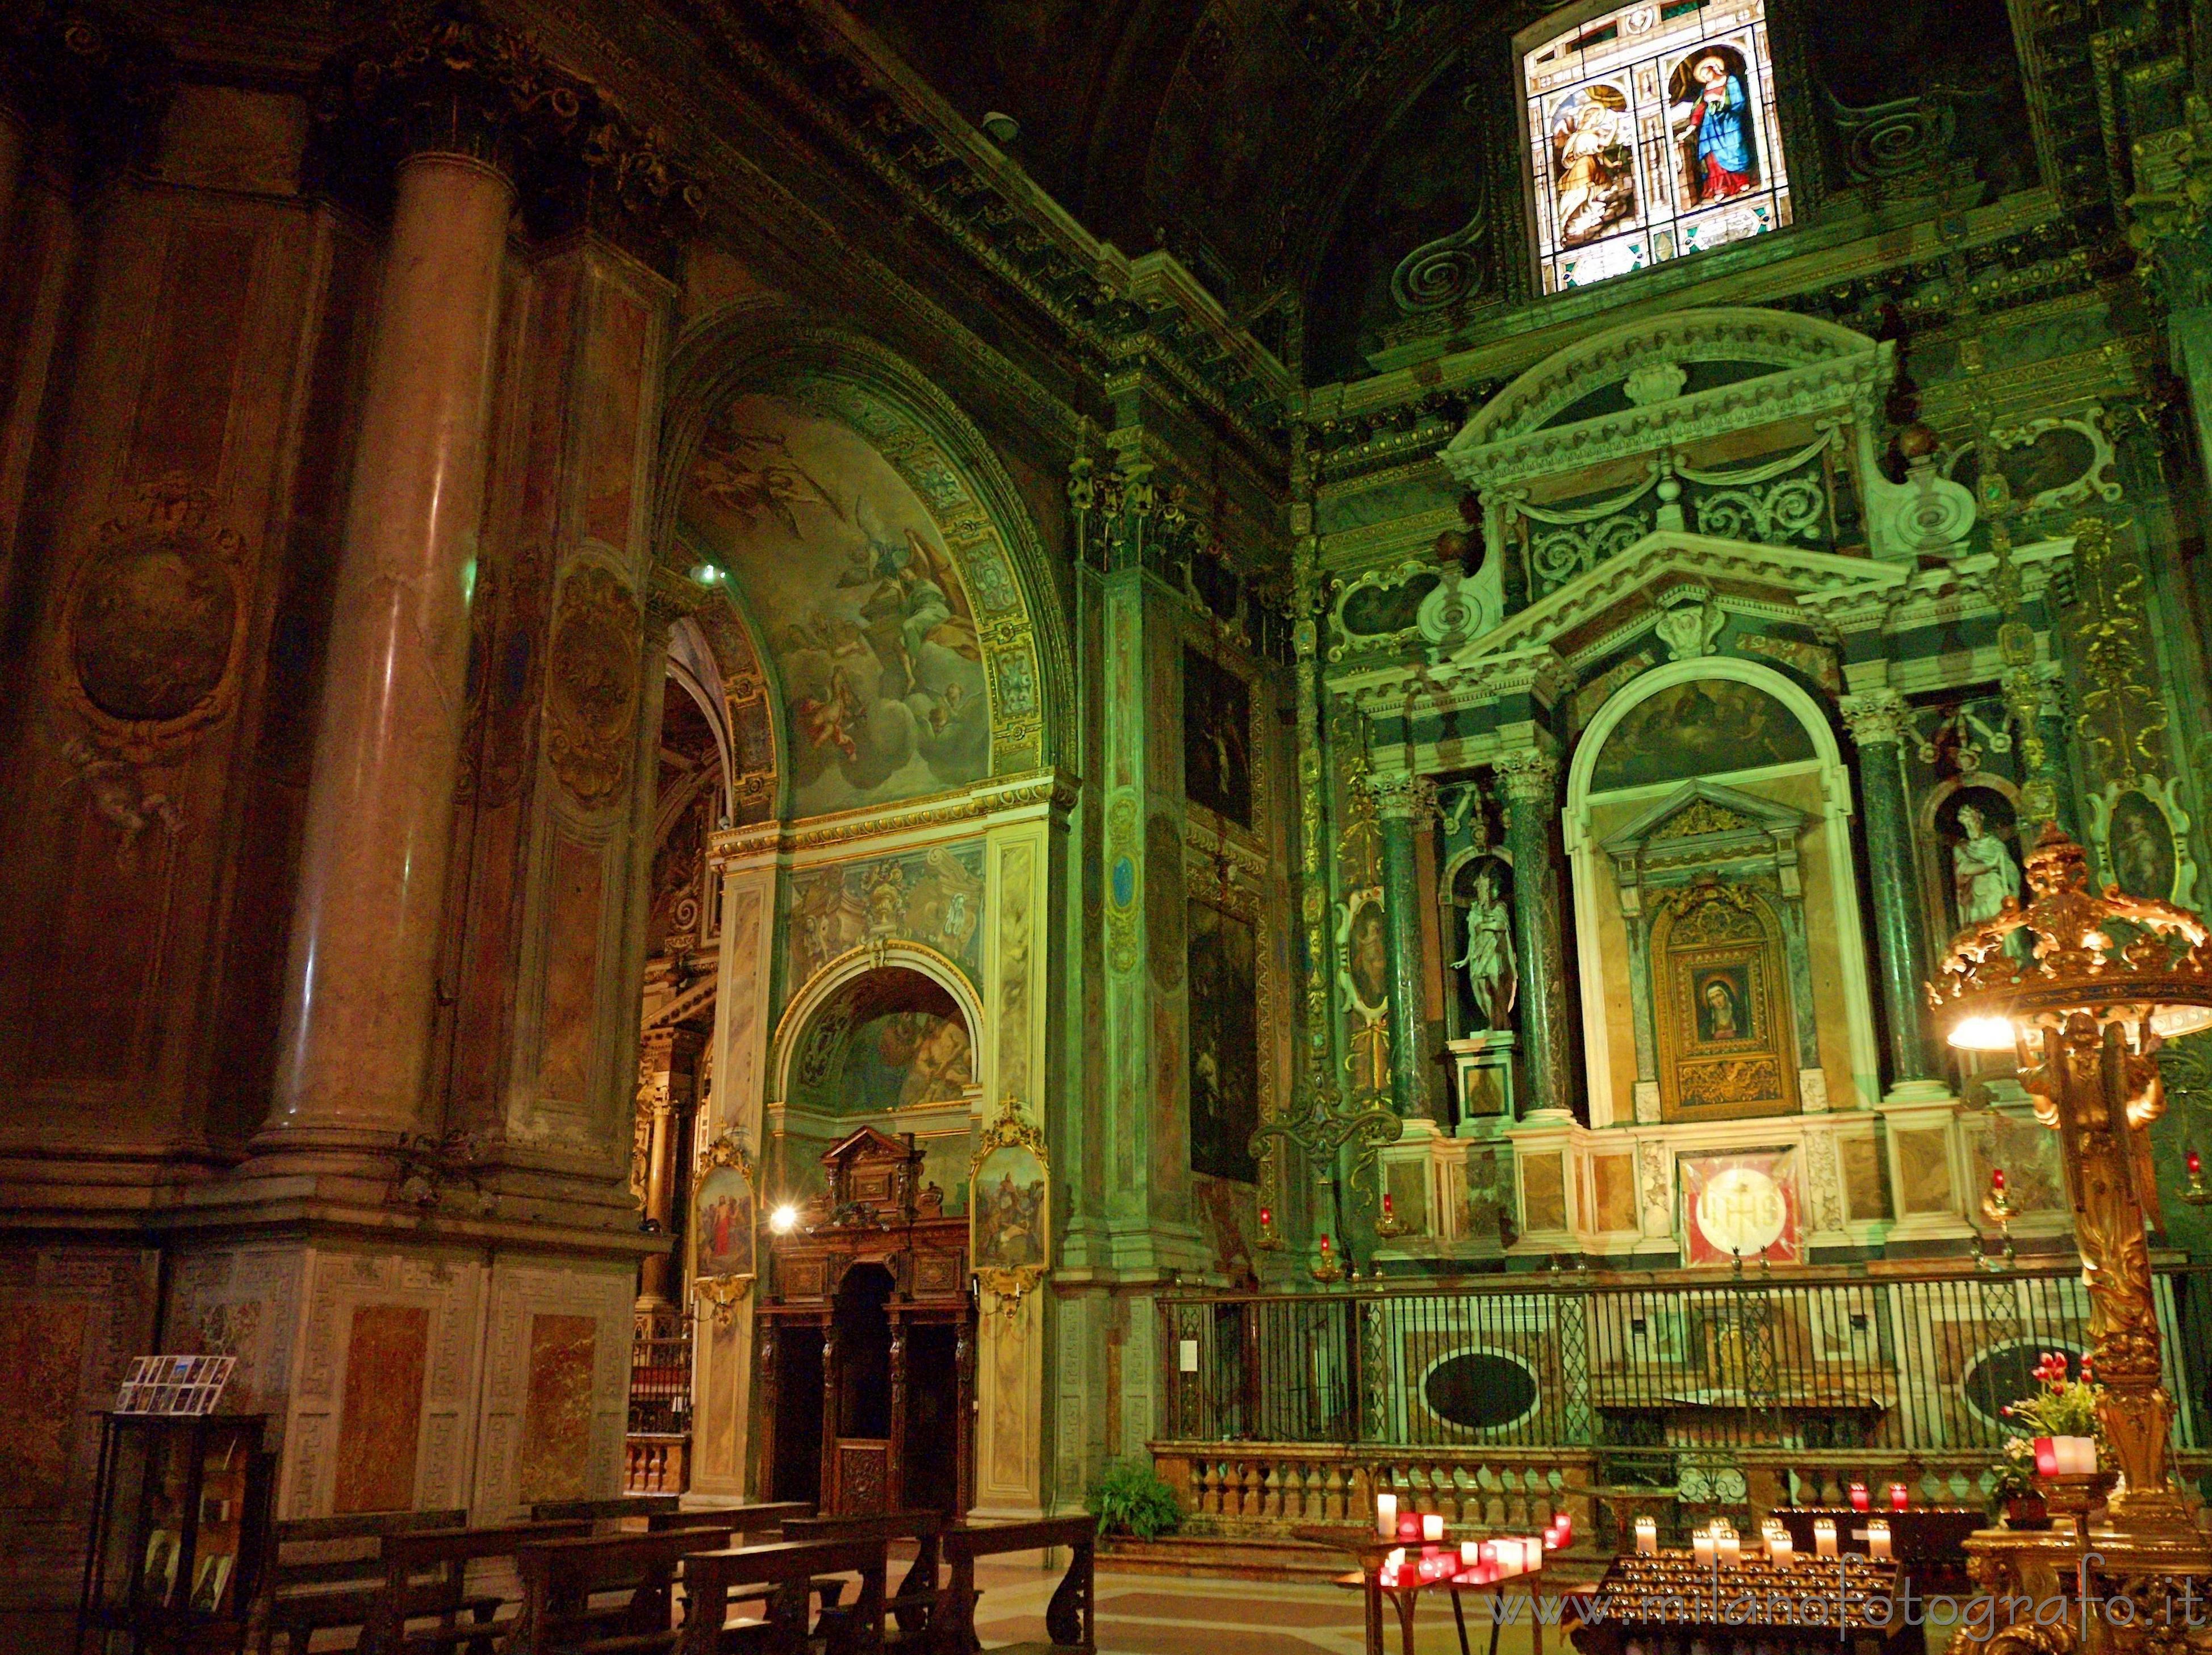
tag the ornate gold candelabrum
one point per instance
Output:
(2084, 987)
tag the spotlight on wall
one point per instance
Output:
(784, 1219)
(1001, 128)
(707, 574)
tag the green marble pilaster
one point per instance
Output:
(1531, 782)
(1876, 718)
(1404, 803)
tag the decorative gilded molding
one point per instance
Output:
(2121, 722)
(1004, 1282)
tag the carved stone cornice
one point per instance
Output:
(438, 76)
(81, 66)
(1053, 791)
(1873, 715)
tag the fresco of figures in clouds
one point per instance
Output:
(857, 601)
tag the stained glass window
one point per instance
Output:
(1652, 133)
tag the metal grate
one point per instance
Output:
(1899, 1361)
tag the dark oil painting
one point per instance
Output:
(1706, 728)
(1225, 1045)
(1217, 737)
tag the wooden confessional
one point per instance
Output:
(867, 1346)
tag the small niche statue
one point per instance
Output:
(1982, 872)
(1488, 960)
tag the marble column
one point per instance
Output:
(1404, 803)
(1530, 779)
(1876, 718)
(668, 1063)
(362, 980)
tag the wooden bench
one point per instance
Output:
(1067, 1618)
(326, 1573)
(425, 1577)
(560, 1578)
(616, 1510)
(915, 1600)
(739, 1519)
(786, 1574)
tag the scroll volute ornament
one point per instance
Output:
(2086, 986)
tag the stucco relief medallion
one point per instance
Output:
(591, 701)
(154, 629)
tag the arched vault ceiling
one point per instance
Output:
(1226, 128)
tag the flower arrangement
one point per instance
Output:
(2064, 1406)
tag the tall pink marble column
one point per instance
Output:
(360, 985)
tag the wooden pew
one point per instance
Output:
(786, 1574)
(326, 1573)
(915, 1600)
(426, 1577)
(1067, 1619)
(739, 1519)
(560, 1578)
(602, 1510)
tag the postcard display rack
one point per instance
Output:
(179, 1525)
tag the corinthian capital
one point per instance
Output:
(442, 78)
(1403, 796)
(1530, 776)
(1873, 715)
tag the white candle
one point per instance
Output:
(1703, 1545)
(1647, 1536)
(1784, 1551)
(1386, 1515)
(1731, 1551)
(1432, 1528)
(1878, 1541)
(1470, 1553)
(1824, 1536)
(2077, 1456)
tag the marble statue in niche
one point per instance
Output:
(1984, 872)
(1488, 957)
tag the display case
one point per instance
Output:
(180, 1526)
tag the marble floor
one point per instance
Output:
(1162, 1614)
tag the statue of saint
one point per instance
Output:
(1982, 872)
(1489, 958)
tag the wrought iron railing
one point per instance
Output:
(660, 1385)
(1648, 1367)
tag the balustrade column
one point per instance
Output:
(1404, 803)
(360, 984)
(1876, 718)
(1530, 779)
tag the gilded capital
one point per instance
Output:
(1530, 776)
(1403, 796)
(1873, 715)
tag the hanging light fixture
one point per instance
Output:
(2084, 987)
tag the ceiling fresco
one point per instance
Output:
(867, 621)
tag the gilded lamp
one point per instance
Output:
(2084, 987)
